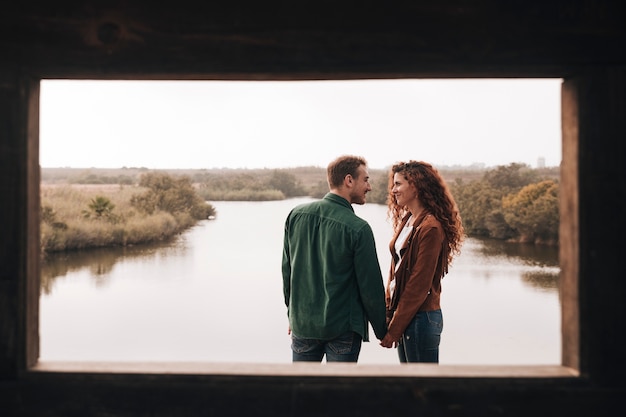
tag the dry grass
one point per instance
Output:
(70, 229)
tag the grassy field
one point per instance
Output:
(79, 216)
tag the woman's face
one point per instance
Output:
(402, 190)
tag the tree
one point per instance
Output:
(285, 182)
(510, 177)
(534, 212)
(101, 206)
(173, 195)
(476, 201)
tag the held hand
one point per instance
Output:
(388, 342)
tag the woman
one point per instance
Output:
(427, 234)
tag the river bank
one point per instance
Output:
(89, 216)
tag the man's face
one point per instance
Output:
(361, 186)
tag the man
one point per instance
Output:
(332, 281)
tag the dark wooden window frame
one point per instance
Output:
(580, 42)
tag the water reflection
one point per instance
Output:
(525, 253)
(540, 263)
(100, 262)
(548, 281)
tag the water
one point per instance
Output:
(215, 295)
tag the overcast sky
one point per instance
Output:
(247, 124)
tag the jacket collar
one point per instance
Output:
(417, 221)
(338, 200)
(417, 224)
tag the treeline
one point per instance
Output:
(513, 202)
(158, 207)
(211, 184)
(243, 186)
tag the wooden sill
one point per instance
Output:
(306, 369)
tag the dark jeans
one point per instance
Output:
(345, 348)
(420, 341)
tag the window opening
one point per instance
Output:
(385, 121)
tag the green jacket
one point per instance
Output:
(332, 281)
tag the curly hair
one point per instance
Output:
(435, 196)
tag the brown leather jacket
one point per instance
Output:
(418, 279)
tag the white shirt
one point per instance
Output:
(402, 237)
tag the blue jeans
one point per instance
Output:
(420, 341)
(345, 348)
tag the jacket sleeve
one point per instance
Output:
(370, 282)
(425, 252)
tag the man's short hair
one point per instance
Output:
(342, 166)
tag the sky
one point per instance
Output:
(284, 124)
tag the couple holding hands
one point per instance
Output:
(332, 282)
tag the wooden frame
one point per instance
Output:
(578, 41)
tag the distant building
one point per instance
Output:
(541, 162)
